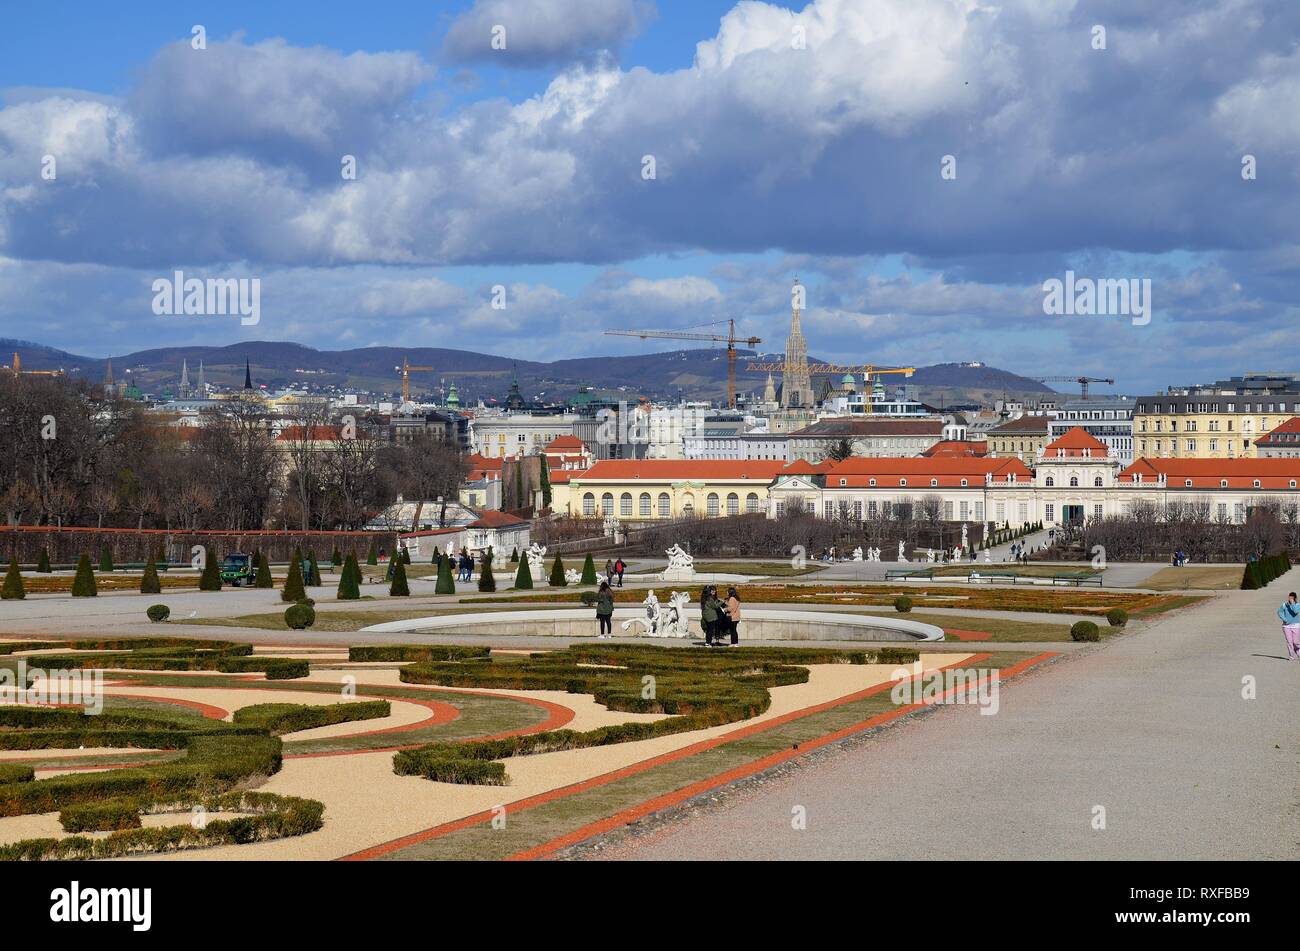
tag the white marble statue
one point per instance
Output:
(956, 554)
(572, 575)
(681, 566)
(650, 623)
(901, 557)
(857, 554)
(673, 621)
(964, 543)
(988, 556)
(929, 555)
(536, 555)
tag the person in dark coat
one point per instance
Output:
(605, 610)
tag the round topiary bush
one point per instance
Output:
(588, 598)
(1085, 631)
(300, 616)
(1117, 617)
(310, 602)
(902, 604)
(158, 612)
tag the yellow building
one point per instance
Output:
(653, 489)
(1218, 422)
(1021, 438)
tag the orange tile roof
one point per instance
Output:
(1071, 444)
(566, 442)
(1288, 434)
(859, 471)
(957, 447)
(1213, 473)
(491, 518)
(679, 470)
(318, 433)
(477, 461)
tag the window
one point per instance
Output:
(871, 482)
(1223, 483)
(1074, 482)
(751, 503)
(625, 504)
(588, 504)
(733, 504)
(1097, 482)
(711, 505)
(1096, 510)
(1050, 482)
(1049, 513)
(964, 483)
(902, 482)
(1257, 483)
(780, 509)
(607, 504)
(934, 483)
(947, 511)
(1191, 445)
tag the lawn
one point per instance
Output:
(1028, 571)
(764, 569)
(1195, 576)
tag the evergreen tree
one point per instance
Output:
(406, 555)
(293, 585)
(519, 484)
(372, 557)
(43, 564)
(524, 576)
(557, 574)
(399, 588)
(105, 560)
(13, 589)
(312, 576)
(149, 583)
(336, 559)
(161, 559)
(83, 585)
(546, 483)
(514, 556)
(350, 580)
(486, 582)
(446, 585)
(210, 580)
(263, 579)
(588, 570)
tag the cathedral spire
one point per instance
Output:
(248, 374)
(796, 385)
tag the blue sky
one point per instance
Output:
(788, 139)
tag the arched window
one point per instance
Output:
(711, 505)
(751, 503)
(1074, 482)
(644, 508)
(665, 505)
(1097, 482)
(607, 504)
(1050, 481)
(733, 504)
(588, 504)
(625, 504)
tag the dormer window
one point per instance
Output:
(1188, 483)
(1223, 483)
(933, 483)
(964, 483)
(844, 481)
(872, 483)
(902, 482)
(1257, 483)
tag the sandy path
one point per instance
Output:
(366, 803)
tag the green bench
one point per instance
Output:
(905, 573)
(1077, 578)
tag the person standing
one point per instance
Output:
(605, 611)
(619, 568)
(733, 615)
(708, 615)
(609, 570)
(1289, 614)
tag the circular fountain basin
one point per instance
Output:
(756, 624)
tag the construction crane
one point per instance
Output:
(869, 372)
(16, 368)
(730, 339)
(1083, 382)
(405, 369)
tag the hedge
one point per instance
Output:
(697, 690)
(16, 773)
(1085, 631)
(158, 612)
(161, 653)
(280, 718)
(299, 617)
(1261, 571)
(149, 583)
(110, 815)
(416, 652)
(902, 604)
(1116, 617)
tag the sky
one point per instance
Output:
(530, 173)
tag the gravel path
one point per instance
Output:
(1153, 727)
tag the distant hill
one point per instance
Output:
(694, 374)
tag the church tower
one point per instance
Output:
(183, 389)
(796, 385)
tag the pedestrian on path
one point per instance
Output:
(619, 568)
(605, 611)
(1289, 614)
(732, 608)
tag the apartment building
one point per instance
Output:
(1216, 421)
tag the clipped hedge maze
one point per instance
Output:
(160, 653)
(697, 690)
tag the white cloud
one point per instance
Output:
(543, 32)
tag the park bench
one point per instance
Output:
(994, 575)
(906, 573)
(1077, 578)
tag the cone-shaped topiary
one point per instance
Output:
(557, 574)
(524, 576)
(588, 570)
(371, 557)
(406, 555)
(263, 579)
(399, 588)
(514, 556)
(210, 580)
(149, 583)
(43, 563)
(293, 588)
(336, 559)
(312, 576)
(486, 582)
(350, 580)
(161, 559)
(445, 583)
(83, 585)
(13, 589)
(105, 559)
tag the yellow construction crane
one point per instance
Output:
(869, 372)
(405, 369)
(730, 339)
(16, 368)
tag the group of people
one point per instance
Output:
(1178, 559)
(615, 569)
(720, 618)
(464, 567)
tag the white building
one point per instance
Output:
(513, 434)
